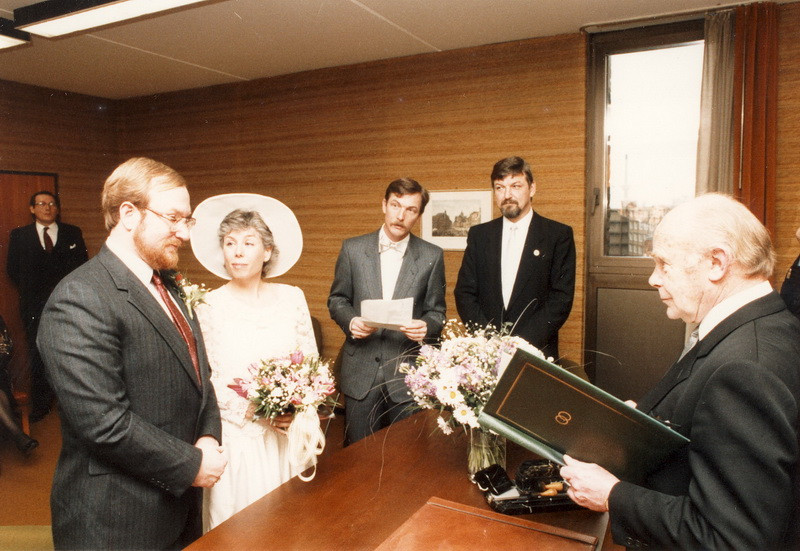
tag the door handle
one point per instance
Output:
(595, 200)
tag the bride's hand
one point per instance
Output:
(280, 423)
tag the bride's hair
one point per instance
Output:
(238, 220)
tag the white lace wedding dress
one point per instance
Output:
(238, 333)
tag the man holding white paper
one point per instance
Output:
(389, 264)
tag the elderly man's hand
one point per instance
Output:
(590, 484)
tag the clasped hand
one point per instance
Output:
(213, 463)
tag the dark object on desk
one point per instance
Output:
(493, 479)
(534, 474)
(537, 488)
(552, 412)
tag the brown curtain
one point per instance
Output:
(755, 105)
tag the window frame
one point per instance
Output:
(600, 46)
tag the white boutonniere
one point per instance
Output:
(192, 294)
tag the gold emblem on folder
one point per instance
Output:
(563, 417)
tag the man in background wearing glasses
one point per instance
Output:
(39, 256)
(139, 419)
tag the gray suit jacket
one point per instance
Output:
(358, 277)
(131, 411)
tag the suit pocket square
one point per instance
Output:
(73, 246)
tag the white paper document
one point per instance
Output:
(388, 314)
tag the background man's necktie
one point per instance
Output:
(180, 322)
(508, 271)
(48, 242)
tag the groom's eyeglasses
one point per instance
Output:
(175, 220)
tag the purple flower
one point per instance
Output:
(296, 357)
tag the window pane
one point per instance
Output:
(652, 120)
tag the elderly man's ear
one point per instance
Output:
(720, 265)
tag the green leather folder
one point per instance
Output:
(552, 412)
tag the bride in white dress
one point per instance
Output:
(244, 321)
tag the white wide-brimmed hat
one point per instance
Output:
(279, 218)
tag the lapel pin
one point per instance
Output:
(536, 252)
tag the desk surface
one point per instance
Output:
(362, 493)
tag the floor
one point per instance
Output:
(25, 482)
(25, 489)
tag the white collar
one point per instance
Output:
(40, 227)
(521, 224)
(141, 269)
(731, 304)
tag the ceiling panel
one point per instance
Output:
(222, 41)
(256, 39)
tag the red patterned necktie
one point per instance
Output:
(48, 242)
(180, 322)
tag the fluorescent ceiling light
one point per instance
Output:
(9, 36)
(59, 17)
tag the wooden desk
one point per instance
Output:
(362, 493)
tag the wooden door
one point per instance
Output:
(16, 189)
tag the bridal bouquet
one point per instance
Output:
(296, 384)
(457, 378)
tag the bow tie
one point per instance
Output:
(386, 245)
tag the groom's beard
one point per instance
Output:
(161, 255)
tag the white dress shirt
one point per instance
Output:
(391, 254)
(514, 235)
(52, 231)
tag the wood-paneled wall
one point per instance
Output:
(67, 134)
(788, 169)
(328, 142)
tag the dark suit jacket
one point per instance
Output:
(736, 396)
(36, 272)
(790, 289)
(543, 291)
(131, 411)
(358, 277)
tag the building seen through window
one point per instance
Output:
(651, 127)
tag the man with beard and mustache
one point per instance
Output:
(518, 269)
(390, 263)
(140, 422)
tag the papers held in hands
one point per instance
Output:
(552, 412)
(388, 314)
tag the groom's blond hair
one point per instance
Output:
(133, 181)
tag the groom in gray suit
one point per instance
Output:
(389, 263)
(139, 418)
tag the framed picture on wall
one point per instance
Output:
(450, 214)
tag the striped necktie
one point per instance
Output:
(180, 323)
